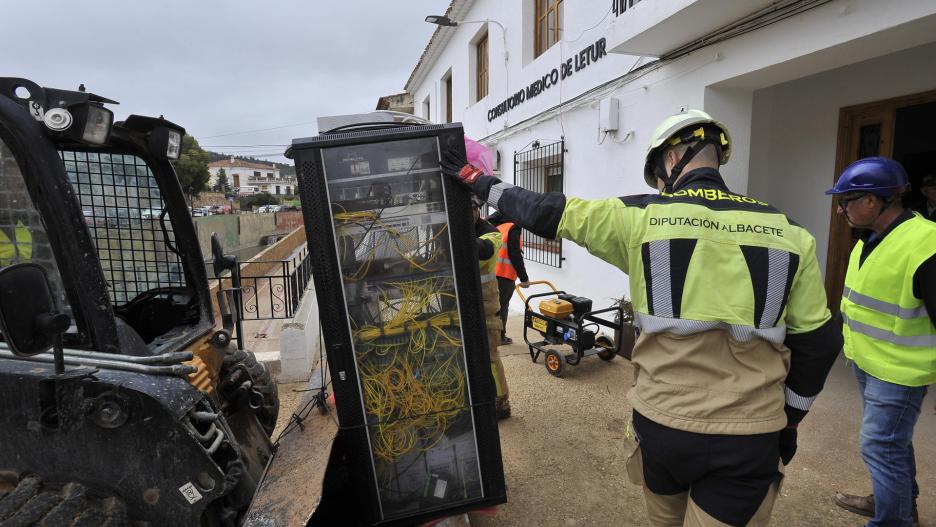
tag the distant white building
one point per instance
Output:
(569, 91)
(248, 177)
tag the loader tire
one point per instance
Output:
(28, 501)
(244, 380)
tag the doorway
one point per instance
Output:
(901, 128)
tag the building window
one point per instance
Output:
(620, 6)
(541, 169)
(269, 175)
(548, 24)
(236, 180)
(481, 78)
(427, 110)
(289, 190)
(448, 98)
(277, 190)
(256, 175)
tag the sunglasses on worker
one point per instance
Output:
(843, 201)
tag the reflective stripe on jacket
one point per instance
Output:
(504, 267)
(17, 250)
(888, 331)
(717, 281)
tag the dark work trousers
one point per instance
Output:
(506, 288)
(728, 477)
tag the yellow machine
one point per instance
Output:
(556, 308)
(568, 320)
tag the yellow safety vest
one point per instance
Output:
(704, 258)
(487, 266)
(17, 250)
(888, 332)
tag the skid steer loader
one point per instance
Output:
(124, 398)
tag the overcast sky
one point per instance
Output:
(220, 67)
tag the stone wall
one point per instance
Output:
(205, 199)
(236, 231)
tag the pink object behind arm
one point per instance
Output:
(479, 156)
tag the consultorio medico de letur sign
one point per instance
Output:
(578, 62)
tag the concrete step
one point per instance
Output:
(271, 359)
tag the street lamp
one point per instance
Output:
(444, 21)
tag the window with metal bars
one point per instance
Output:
(548, 20)
(620, 6)
(541, 169)
(123, 209)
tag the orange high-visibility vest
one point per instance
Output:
(504, 268)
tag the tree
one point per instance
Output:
(221, 184)
(192, 167)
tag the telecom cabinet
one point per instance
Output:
(395, 268)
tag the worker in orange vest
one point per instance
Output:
(509, 267)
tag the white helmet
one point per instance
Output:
(692, 126)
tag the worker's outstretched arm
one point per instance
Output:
(538, 212)
(597, 225)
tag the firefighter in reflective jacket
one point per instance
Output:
(509, 267)
(736, 339)
(15, 244)
(889, 306)
(489, 244)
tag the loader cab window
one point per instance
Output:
(23, 235)
(122, 208)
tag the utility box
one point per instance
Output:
(395, 266)
(608, 114)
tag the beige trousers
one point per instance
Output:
(491, 297)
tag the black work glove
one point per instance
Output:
(787, 444)
(456, 166)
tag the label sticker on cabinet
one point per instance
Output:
(190, 493)
(440, 489)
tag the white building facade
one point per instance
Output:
(247, 177)
(804, 86)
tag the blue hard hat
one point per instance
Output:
(881, 176)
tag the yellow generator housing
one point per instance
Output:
(555, 308)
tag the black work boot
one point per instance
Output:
(864, 505)
(505, 339)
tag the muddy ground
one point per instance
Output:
(564, 461)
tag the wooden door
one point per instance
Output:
(864, 130)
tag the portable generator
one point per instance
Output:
(567, 320)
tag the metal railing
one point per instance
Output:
(541, 169)
(276, 291)
(620, 6)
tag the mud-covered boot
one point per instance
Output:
(502, 408)
(864, 505)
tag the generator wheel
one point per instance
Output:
(29, 501)
(244, 380)
(608, 352)
(554, 361)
